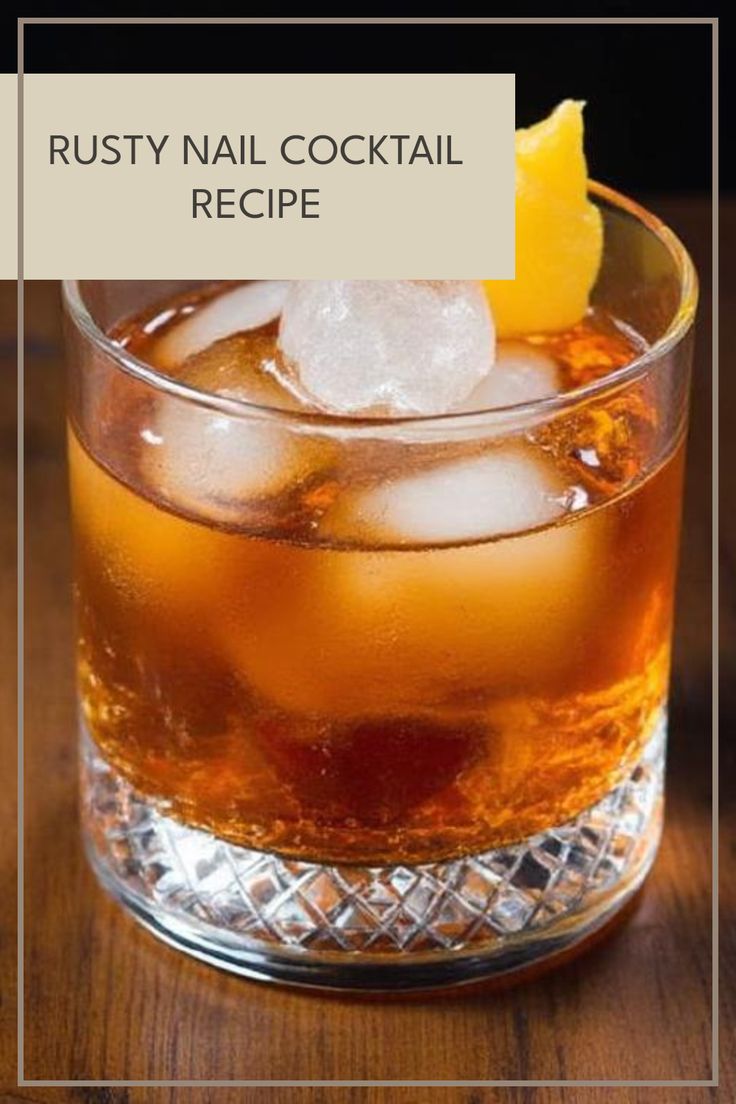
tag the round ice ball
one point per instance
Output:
(387, 347)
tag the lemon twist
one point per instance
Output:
(559, 232)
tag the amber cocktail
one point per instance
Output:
(376, 701)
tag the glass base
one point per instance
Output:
(372, 928)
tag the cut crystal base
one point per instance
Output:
(380, 928)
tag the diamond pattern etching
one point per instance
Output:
(474, 902)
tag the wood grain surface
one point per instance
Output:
(105, 1001)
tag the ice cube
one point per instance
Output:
(213, 464)
(243, 366)
(407, 630)
(392, 347)
(520, 374)
(246, 307)
(507, 489)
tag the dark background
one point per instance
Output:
(648, 87)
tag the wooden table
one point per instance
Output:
(104, 1000)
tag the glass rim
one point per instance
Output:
(535, 409)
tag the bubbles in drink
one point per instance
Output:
(392, 347)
